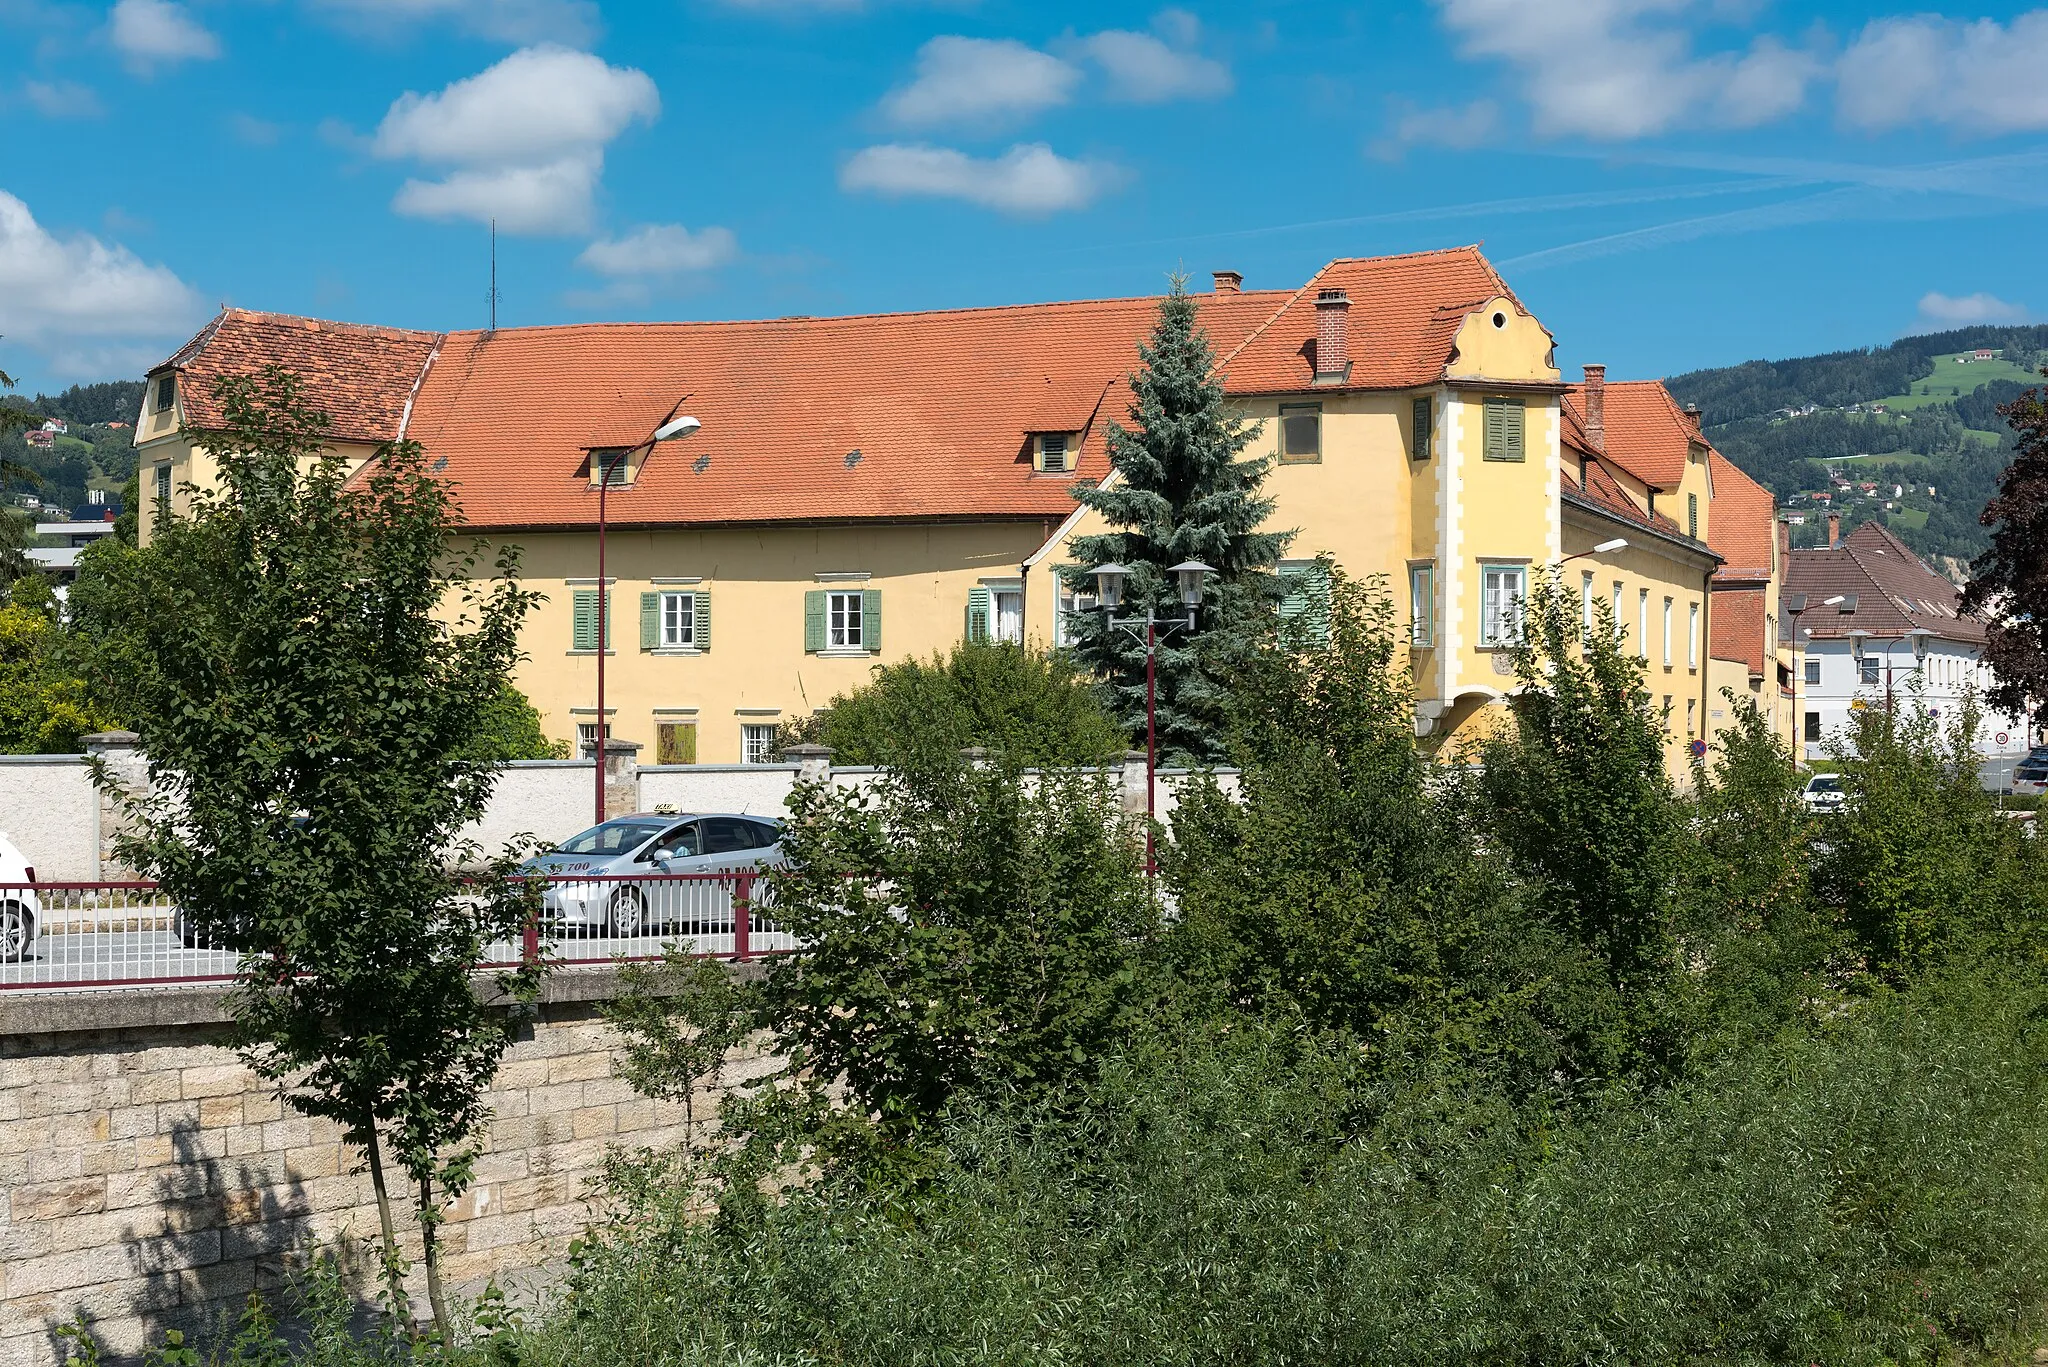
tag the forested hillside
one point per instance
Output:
(1909, 417)
(92, 455)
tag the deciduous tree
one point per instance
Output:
(2009, 583)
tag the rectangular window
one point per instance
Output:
(1692, 636)
(1502, 589)
(1813, 728)
(1667, 633)
(1866, 669)
(1009, 612)
(166, 392)
(1504, 420)
(1691, 714)
(678, 621)
(843, 620)
(1301, 432)
(757, 742)
(586, 738)
(1421, 428)
(675, 742)
(1073, 606)
(1586, 605)
(1053, 453)
(163, 487)
(1813, 671)
(1692, 516)
(1642, 624)
(1620, 626)
(1422, 605)
(613, 466)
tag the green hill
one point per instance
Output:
(1913, 414)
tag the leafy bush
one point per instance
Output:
(1033, 707)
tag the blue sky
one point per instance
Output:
(1668, 183)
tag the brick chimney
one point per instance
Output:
(1333, 337)
(1229, 282)
(1692, 417)
(1834, 530)
(1784, 544)
(1596, 406)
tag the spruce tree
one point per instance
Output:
(1185, 490)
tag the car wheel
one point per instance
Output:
(628, 912)
(17, 932)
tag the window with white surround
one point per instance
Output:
(1072, 605)
(757, 742)
(1586, 604)
(163, 487)
(1866, 669)
(1620, 627)
(1667, 633)
(166, 391)
(1692, 636)
(1055, 455)
(1813, 672)
(1691, 714)
(586, 737)
(1422, 605)
(678, 621)
(1642, 624)
(1502, 591)
(843, 619)
(1009, 615)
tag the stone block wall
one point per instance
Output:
(149, 1180)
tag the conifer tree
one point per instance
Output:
(1185, 490)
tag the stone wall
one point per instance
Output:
(150, 1181)
(49, 811)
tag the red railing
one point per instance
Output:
(60, 937)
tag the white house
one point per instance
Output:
(1876, 626)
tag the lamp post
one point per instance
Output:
(1799, 650)
(1109, 595)
(669, 431)
(1604, 548)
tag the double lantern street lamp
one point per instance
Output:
(1109, 596)
(608, 464)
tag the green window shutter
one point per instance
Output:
(814, 619)
(1515, 413)
(1418, 437)
(703, 634)
(1692, 516)
(1318, 615)
(1496, 431)
(650, 620)
(871, 619)
(583, 619)
(977, 613)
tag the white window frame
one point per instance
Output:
(1620, 626)
(1067, 453)
(1867, 671)
(1068, 606)
(673, 616)
(1422, 606)
(1667, 633)
(1642, 624)
(1501, 608)
(1586, 603)
(1811, 672)
(757, 742)
(845, 619)
(1692, 636)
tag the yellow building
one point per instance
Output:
(869, 488)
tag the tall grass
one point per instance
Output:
(1870, 1193)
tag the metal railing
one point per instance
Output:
(64, 937)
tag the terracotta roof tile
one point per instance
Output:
(1648, 435)
(1895, 592)
(1742, 522)
(1405, 312)
(1604, 491)
(361, 377)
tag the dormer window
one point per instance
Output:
(1055, 453)
(615, 466)
(166, 391)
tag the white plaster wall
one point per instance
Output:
(751, 789)
(551, 799)
(50, 811)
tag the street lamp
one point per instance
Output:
(669, 431)
(1604, 548)
(1189, 576)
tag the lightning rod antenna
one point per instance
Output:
(494, 276)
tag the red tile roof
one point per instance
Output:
(1648, 435)
(1741, 521)
(1405, 312)
(361, 377)
(1895, 592)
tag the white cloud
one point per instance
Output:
(255, 132)
(62, 99)
(660, 249)
(1143, 70)
(524, 140)
(1951, 311)
(1028, 179)
(84, 303)
(1979, 77)
(1466, 125)
(150, 33)
(574, 22)
(1618, 69)
(980, 80)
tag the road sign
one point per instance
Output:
(2003, 738)
(1698, 748)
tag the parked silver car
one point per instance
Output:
(648, 843)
